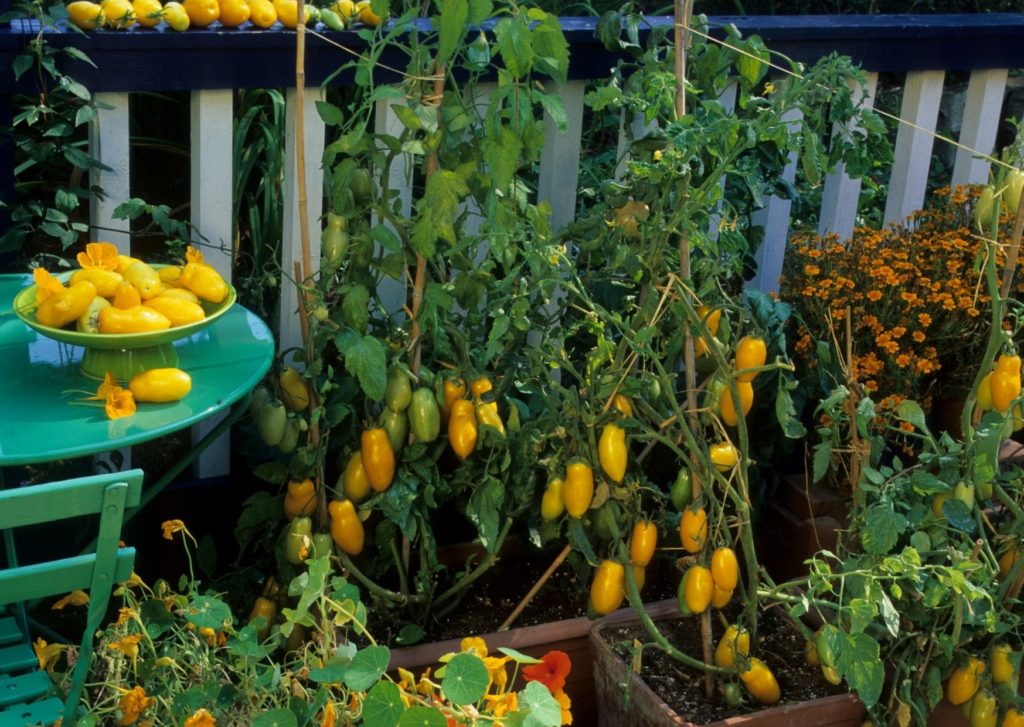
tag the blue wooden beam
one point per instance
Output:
(143, 59)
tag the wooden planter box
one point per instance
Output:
(624, 699)
(569, 635)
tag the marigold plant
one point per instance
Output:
(913, 294)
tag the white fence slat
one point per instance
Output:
(392, 292)
(291, 244)
(560, 163)
(774, 217)
(108, 142)
(211, 205)
(982, 111)
(840, 194)
(922, 94)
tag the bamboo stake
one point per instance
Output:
(683, 12)
(559, 559)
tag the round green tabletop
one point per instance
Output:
(41, 383)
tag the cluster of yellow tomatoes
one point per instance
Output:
(971, 686)
(114, 293)
(1001, 387)
(180, 16)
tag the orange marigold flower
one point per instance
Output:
(903, 360)
(812, 269)
(924, 319)
(919, 337)
(552, 670)
(874, 295)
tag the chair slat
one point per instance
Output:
(17, 658)
(40, 580)
(19, 688)
(9, 631)
(45, 712)
(34, 504)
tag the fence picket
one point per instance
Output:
(983, 107)
(212, 114)
(393, 292)
(291, 244)
(912, 155)
(841, 193)
(774, 217)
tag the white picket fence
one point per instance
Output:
(211, 178)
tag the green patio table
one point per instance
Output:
(40, 420)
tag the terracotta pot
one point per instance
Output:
(624, 699)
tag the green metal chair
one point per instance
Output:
(26, 693)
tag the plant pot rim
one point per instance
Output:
(782, 714)
(518, 637)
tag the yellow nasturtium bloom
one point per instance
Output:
(102, 255)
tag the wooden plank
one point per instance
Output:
(841, 193)
(393, 293)
(774, 217)
(560, 163)
(291, 244)
(912, 155)
(983, 109)
(212, 117)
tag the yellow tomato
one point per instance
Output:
(725, 568)
(175, 16)
(86, 15)
(179, 312)
(366, 14)
(760, 682)
(106, 281)
(354, 482)
(263, 13)
(346, 527)
(693, 529)
(552, 504)
(160, 385)
(66, 305)
(234, 12)
(607, 588)
(735, 641)
(728, 408)
(964, 681)
(346, 9)
(149, 13)
(578, 490)
(118, 14)
(201, 13)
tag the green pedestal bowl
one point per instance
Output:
(123, 354)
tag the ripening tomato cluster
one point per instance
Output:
(180, 16)
(114, 293)
(975, 686)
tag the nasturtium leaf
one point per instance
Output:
(422, 717)
(541, 708)
(518, 656)
(276, 718)
(465, 679)
(367, 667)
(383, 705)
(207, 612)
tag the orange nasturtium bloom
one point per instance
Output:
(552, 670)
(46, 284)
(132, 704)
(119, 403)
(201, 718)
(75, 598)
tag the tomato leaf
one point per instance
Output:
(450, 26)
(882, 528)
(858, 660)
(484, 510)
(366, 359)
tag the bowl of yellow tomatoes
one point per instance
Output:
(125, 313)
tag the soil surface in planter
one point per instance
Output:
(682, 688)
(492, 598)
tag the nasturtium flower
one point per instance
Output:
(46, 284)
(552, 670)
(330, 715)
(132, 704)
(170, 527)
(201, 718)
(101, 255)
(474, 644)
(496, 672)
(119, 403)
(75, 598)
(129, 646)
(48, 654)
(566, 704)
(501, 704)
(194, 256)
